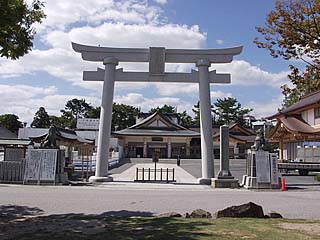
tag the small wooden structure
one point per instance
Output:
(296, 126)
(13, 163)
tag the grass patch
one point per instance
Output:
(150, 228)
(317, 177)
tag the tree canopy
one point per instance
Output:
(292, 31)
(183, 118)
(41, 119)
(16, 31)
(123, 116)
(229, 110)
(164, 109)
(74, 109)
(196, 111)
(11, 122)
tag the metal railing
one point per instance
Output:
(155, 175)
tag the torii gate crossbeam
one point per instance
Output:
(157, 57)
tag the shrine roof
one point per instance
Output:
(305, 102)
(6, 134)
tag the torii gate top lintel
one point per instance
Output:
(93, 53)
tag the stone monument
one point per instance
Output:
(224, 178)
(262, 168)
(156, 57)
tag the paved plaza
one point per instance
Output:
(125, 197)
(143, 198)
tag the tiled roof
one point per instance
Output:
(308, 100)
(149, 119)
(6, 134)
(155, 132)
(296, 125)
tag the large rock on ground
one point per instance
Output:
(199, 213)
(169, 215)
(272, 214)
(250, 210)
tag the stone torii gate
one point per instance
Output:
(157, 57)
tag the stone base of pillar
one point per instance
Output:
(204, 181)
(94, 179)
(250, 182)
(224, 183)
(244, 179)
(224, 174)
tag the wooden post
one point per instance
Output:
(172, 174)
(142, 174)
(281, 150)
(137, 174)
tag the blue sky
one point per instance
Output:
(52, 73)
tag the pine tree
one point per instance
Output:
(41, 119)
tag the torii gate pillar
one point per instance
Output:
(101, 174)
(207, 156)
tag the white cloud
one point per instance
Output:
(138, 100)
(219, 41)
(17, 92)
(173, 89)
(220, 95)
(266, 108)
(25, 100)
(243, 73)
(62, 14)
(161, 1)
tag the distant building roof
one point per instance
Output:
(38, 133)
(239, 133)
(167, 127)
(292, 125)
(6, 134)
(6, 142)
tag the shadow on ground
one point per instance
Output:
(108, 225)
(11, 212)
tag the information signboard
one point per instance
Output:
(88, 123)
(41, 165)
(48, 165)
(14, 154)
(263, 166)
(274, 169)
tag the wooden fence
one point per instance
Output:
(12, 171)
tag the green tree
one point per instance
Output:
(94, 112)
(11, 122)
(58, 121)
(185, 119)
(41, 119)
(16, 31)
(292, 31)
(123, 116)
(196, 111)
(229, 110)
(164, 109)
(74, 109)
